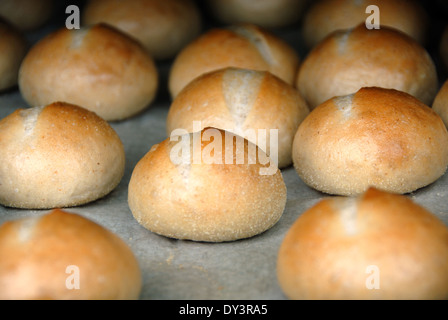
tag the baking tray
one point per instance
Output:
(181, 269)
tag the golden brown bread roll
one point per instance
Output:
(13, 47)
(376, 246)
(348, 60)
(27, 15)
(163, 27)
(206, 186)
(376, 137)
(264, 13)
(246, 102)
(98, 68)
(327, 16)
(59, 155)
(241, 46)
(64, 256)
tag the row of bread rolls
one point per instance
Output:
(189, 63)
(61, 155)
(169, 198)
(43, 166)
(378, 132)
(370, 136)
(58, 154)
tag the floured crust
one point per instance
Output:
(256, 49)
(59, 155)
(407, 247)
(205, 202)
(40, 257)
(378, 137)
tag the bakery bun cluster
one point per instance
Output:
(64, 256)
(361, 119)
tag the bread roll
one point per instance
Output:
(249, 103)
(206, 186)
(27, 15)
(242, 46)
(376, 137)
(13, 47)
(351, 59)
(64, 256)
(376, 246)
(163, 27)
(327, 16)
(98, 68)
(264, 13)
(59, 155)
(440, 104)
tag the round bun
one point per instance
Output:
(243, 46)
(27, 15)
(13, 47)
(376, 246)
(98, 68)
(265, 13)
(246, 102)
(57, 156)
(206, 186)
(440, 104)
(163, 27)
(351, 59)
(64, 256)
(327, 16)
(376, 137)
